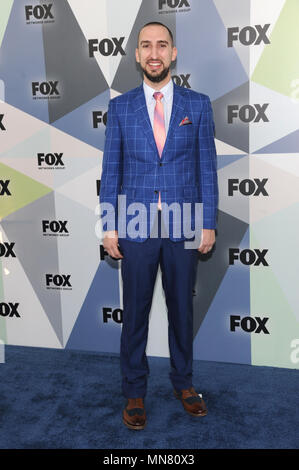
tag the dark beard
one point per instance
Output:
(156, 78)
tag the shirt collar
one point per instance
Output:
(167, 91)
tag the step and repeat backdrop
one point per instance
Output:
(60, 63)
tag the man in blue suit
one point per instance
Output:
(159, 151)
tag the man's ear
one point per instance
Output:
(174, 53)
(137, 55)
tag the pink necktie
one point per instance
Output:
(159, 129)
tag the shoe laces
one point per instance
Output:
(189, 392)
(136, 402)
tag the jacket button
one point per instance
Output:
(156, 192)
(161, 164)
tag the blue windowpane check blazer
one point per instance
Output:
(186, 171)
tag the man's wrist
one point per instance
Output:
(110, 233)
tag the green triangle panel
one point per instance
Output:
(5, 9)
(279, 64)
(279, 234)
(268, 300)
(23, 190)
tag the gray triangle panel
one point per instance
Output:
(226, 109)
(67, 61)
(129, 74)
(287, 144)
(212, 268)
(37, 254)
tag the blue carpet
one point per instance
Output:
(53, 398)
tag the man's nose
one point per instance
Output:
(154, 52)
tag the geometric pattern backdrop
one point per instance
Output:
(60, 63)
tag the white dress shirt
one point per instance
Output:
(167, 99)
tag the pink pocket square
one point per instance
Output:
(185, 121)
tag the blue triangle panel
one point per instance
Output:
(206, 52)
(2, 92)
(287, 144)
(225, 160)
(90, 332)
(22, 62)
(79, 123)
(214, 340)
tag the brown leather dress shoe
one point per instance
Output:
(134, 415)
(192, 402)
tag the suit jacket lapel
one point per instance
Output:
(140, 109)
(178, 105)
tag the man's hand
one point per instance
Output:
(110, 244)
(207, 240)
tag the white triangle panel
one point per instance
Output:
(82, 189)
(70, 145)
(225, 149)
(286, 162)
(281, 187)
(114, 93)
(282, 116)
(19, 126)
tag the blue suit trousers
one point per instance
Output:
(139, 270)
